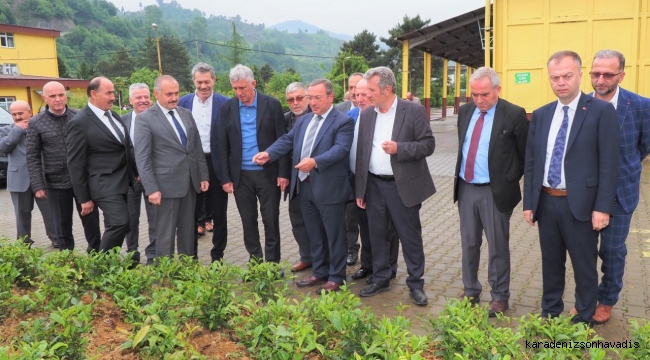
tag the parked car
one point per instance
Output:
(5, 120)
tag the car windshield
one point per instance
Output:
(5, 117)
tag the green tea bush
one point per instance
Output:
(641, 336)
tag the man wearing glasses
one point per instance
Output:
(633, 112)
(299, 106)
(570, 176)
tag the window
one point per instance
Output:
(7, 40)
(9, 69)
(6, 101)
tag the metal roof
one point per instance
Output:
(458, 39)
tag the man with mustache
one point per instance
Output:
(140, 99)
(100, 161)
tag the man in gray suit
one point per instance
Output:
(140, 99)
(393, 179)
(13, 143)
(173, 171)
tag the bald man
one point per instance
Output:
(101, 161)
(48, 168)
(13, 143)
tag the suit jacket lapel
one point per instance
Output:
(165, 123)
(400, 115)
(261, 109)
(100, 124)
(234, 110)
(326, 124)
(622, 106)
(581, 112)
(547, 119)
(498, 122)
(464, 124)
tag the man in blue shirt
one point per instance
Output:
(249, 123)
(491, 148)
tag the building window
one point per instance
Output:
(9, 69)
(6, 101)
(7, 40)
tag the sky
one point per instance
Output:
(339, 16)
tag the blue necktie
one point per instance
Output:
(555, 168)
(181, 133)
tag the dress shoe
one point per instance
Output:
(310, 281)
(361, 273)
(209, 227)
(200, 230)
(328, 287)
(419, 297)
(497, 307)
(54, 244)
(374, 289)
(352, 257)
(603, 313)
(578, 320)
(474, 300)
(300, 266)
(573, 311)
(371, 279)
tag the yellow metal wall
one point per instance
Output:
(527, 32)
(27, 47)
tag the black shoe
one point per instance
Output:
(419, 297)
(352, 257)
(361, 273)
(54, 244)
(369, 280)
(374, 289)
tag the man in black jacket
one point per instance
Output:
(48, 168)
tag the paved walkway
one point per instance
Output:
(442, 248)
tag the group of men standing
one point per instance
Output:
(580, 157)
(357, 168)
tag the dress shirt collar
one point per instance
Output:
(614, 99)
(490, 111)
(207, 101)
(573, 105)
(324, 116)
(392, 107)
(254, 104)
(165, 110)
(99, 112)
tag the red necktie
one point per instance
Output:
(473, 147)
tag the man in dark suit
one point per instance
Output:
(101, 162)
(492, 143)
(570, 177)
(172, 168)
(251, 121)
(140, 99)
(393, 179)
(320, 143)
(205, 104)
(13, 143)
(633, 112)
(296, 93)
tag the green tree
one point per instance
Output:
(152, 15)
(120, 64)
(63, 69)
(145, 76)
(237, 45)
(363, 44)
(263, 75)
(278, 84)
(87, 71)
(7, 16)
(174, 56)
(353, 63)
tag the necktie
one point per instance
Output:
(120, 136)
(555, 168)
(473, 148)
(181, 133)
(308, 143)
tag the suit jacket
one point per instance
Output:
(163, 163)
(187, 102)
(329, 180)
(13, 143)
(99, 164)
(590, 162)
(344, 107)
(270, 127)
(633, 112)
(506, 153)
(415, 142)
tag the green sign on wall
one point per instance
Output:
(522, 78)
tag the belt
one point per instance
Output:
(554, 192)
(481, 184)
(383, 177)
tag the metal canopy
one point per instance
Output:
(459, 39)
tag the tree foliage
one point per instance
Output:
(363, 44)
(237, 47)
(120, 64)
(174, 57)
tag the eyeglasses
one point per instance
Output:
(566, 77)
(296, 99)
(606, 76)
